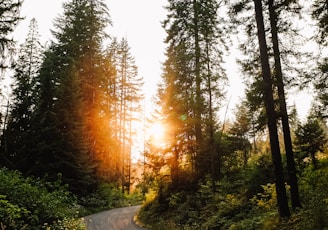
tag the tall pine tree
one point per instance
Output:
(69, 96)
(190, 89)
(18, 136)
(282, 201)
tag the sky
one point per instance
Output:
(139, 21)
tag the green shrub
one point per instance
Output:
(66, 223)
(238, 205)
(10, 214)
(266, 200)
(109, 196)
(313, 189)
(33, 203)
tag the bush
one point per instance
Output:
(32, 203)
(10, 214)
(244, 201)
(108, 196)
(313, 188)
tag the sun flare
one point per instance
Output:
(157, 132)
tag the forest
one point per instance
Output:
(68, 127)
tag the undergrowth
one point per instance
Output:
(234, 207)
(108, 196)
(34, 203)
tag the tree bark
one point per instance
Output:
(282, 201)
(295, 198)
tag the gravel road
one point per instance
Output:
(115, 219)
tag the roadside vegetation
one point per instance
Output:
(109, 196)
(34, 203)
(244, 200)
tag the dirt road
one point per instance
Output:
(115, 219)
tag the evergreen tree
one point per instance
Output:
(69, 97)
(271, 115)
(47, 142)
(9, 18)
(88, 100)
(291, 168)
(249, 62)
(310, 139)
(126, 104)
(17, 136)
(192, 77)
(241, 129)
(320, 15)
(278, 19)
(110, 169)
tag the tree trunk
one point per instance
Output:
(175, 177)
(295, 198)
(198, 107)
(282, 201)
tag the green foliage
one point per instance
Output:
(320, 85)
(199, 210)
(191, 88)
(246, 200)
(108, 196)
(10, 214)
(66, 223)
(314, 184)
(17, 136)
(319, 13)
(266, 200)
(310, 138)
(9, 18)
(258, 172)
(64, 110)
(32, 203)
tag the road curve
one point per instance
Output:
(115, 219)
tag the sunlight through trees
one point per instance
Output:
(75, 127)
